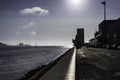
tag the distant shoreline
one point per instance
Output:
(4, 48)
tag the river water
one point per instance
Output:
(16, 62)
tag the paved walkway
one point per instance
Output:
(64, 69)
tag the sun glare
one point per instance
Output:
(75, 3)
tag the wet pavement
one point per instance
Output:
(97, 64)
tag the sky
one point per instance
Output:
(51, 22)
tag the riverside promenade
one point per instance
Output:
(86, 64)
(64, 69)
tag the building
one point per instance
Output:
(79, 39)
(108, 33)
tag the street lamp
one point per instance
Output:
(105, 25)
(104, 3)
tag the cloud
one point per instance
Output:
(33, 33)
(29, 28)
(34, 11)
(29, 25)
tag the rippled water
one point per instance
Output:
(15, 63)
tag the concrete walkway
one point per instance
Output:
(64, 69)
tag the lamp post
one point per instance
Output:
(105, 25)
(104, 3)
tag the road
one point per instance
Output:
(97, 64)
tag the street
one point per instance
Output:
(97, 64)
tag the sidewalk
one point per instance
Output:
(64, 69)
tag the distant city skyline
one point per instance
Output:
(51, 22)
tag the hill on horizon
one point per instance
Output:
(2, 44)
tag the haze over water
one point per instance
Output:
(15, 63)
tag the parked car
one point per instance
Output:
(98, 45)
(118, 47)
(109, 46)
(115, 46)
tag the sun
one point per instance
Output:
(75, 3)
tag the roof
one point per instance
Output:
(108, 22)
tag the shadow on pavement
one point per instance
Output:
(87, 71)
